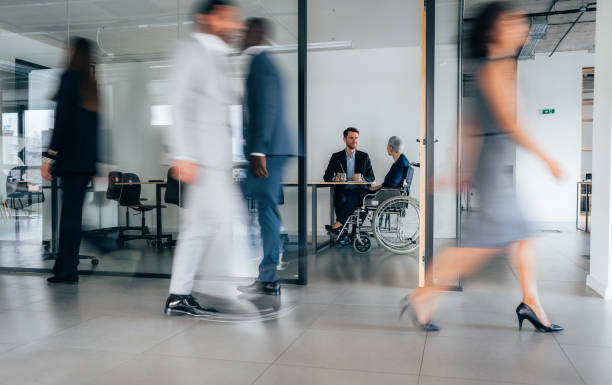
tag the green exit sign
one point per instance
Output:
(548, 111)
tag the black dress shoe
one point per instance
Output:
(186, 305)
(68, 279)
(330, 229)
(524, 312)
(265, 288)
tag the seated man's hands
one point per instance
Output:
(375, 188)
(357, 178)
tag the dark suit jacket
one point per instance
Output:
(265, 130)
(74, 142)
(398, 172)
(337, 164)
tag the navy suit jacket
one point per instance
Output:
(398, 172)
(265, 130)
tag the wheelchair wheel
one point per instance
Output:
(362, 243)
(395, 224)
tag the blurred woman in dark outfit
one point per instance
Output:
(73, 154)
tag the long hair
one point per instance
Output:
(82, 61)
(482, 29)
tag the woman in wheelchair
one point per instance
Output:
(394, 179)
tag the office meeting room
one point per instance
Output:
(305, 191)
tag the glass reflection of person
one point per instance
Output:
(498, 34)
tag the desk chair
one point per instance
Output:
(113, 192)
(130, 198)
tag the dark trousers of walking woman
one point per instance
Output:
(67, 259)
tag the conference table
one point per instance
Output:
(315, 186)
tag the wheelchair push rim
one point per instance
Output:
(396, 224)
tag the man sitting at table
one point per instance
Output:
(352, 162)
(394, 179)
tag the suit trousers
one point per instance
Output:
(73, 195)
(207, 214)
(268, 192)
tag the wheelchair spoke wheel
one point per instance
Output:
(396, 224)
(362, 243)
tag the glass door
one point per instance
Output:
(441, 139)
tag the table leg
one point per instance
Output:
(332, 217)
(158, 233)
(314, 219)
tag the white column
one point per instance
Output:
(600, 276)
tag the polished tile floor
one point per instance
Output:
(340, 329)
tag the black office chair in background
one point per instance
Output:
(130, 198)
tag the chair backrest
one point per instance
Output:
(175, 191)
(130, 194)
(408, 179)
(113, 191)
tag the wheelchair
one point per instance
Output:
(390, 216)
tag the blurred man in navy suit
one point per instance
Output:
(268, 146)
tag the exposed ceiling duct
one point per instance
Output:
(537, 33)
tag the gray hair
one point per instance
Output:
(396, 144)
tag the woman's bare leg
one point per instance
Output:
(527, 272)
(449, 262)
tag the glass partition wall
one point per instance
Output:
(133, 41)
(363, 71)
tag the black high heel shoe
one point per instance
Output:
(524, 312)
(405, 305)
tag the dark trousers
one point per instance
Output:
(354, 200)
(73, 195)
(341, 196)
(268, 193)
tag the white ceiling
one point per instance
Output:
(145, 27)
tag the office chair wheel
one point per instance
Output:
(95, 262)
(362, 243)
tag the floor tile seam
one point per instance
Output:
(584, 345)
(115, 367)
(480, 380)
(422, 358)
(365, 332)
(184, 330)
(146, 355)
(295, 365)
(72, 348)
(270, 365)
(570, 361)
(40, 338)
(317, 317)
(489, 340)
